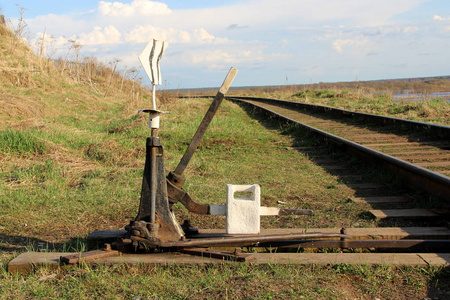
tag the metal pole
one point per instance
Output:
(154, 96)
(154, 184)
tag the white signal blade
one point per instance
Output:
(150, 57)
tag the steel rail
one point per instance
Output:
(409, 174)
(352, 244)
(251, 240)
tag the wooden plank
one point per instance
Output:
(417, 151)
(398, 259)
(410, 144)
(425, 159)
(445, 163)
(404, 213)
(399, 233)
(376, 200)
(436, 259)
(434, 161)
(25, 262)
(422, 156)
(28, 261)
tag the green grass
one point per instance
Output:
(432, 111)
(228, 281)
(88, 177)
(17, 142)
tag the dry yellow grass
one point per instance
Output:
(34, 88)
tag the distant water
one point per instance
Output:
(408, 96)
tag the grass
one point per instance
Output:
(90, 179)
(20, 143)
(431, 111)
(228, 281)
(71, 159)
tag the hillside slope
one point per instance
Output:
(33, 88)
(67, 133)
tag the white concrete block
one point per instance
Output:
(243, 216)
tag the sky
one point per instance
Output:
(270, 42)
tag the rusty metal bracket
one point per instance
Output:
(176, 194)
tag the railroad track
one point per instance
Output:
(416, 154)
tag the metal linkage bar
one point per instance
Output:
(205, 122)
(251, 240)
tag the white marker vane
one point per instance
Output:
(149, 58)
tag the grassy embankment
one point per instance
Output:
(374, 97)
(369, 97)
(71, 154)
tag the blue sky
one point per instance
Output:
(270, 42)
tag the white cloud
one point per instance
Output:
(202, 36)
(106, 35)
(46, 38)
(213, 56)
(339, 45)
(59, 41)
(442, 20)
(58, 25)
(305, 13)
(141, 34)
(363, 38)
(439, 18)
(135, 8)
(398, 30)
(256, 34)
(238, 54)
